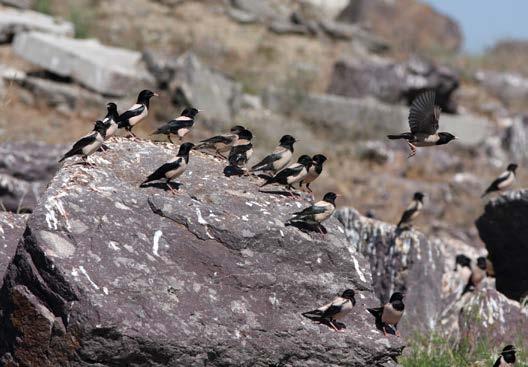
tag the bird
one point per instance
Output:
(507, 357)
(280, 157)
(173, 168)
(292, 174)
(89, 143)
(504, 181)
(314, 171)
(180, 125)
(390, 313)
(137, 112)
(478, 274)
(333, 311)
(221, 143)
(317, 213)
(111, 119)
(423, 121)
(463, 268)
(242, 149)
(412, 211)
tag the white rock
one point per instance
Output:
(14, 21)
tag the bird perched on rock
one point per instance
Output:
(463, 268)
(242, 149)
(136, 113)
(478, 274)
(280, 157)
(507, 357)
(314, 171)
(90, 143)
(504, 181)
(389, 314)
(173, 168)
(317, 213)
(179, 126)
(221, 143)
(111, 119)
(423, 121)
(412, 211)
(292, 174)
(333, 311)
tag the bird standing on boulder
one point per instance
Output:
(180, 125)
(242, 149)
(507, 357)
(412, 211)
(173, 168)
(137, 112)
(111, 120)
(478, 274)
(317, 213)
(333, 311)
(90, 143)
(280, 157)
(291, 174)
(423, 121)
(390, 314)
(221, 143)
(504, 181)
(314, 172)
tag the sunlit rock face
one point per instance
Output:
(109, 273)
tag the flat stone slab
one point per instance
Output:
(15, 21)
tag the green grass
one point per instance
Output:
(437, 351)
(43, 6)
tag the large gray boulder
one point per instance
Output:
(515, 139)
(510, 88)
(393, 82)
(111, 274)
(504, 229)
(14, 21)
(107, 70)
(11, 229)
(25, 170)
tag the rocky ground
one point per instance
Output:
(328, 72)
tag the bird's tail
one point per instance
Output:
(67, 155)
(376, 312)
(268, 181)
(314, 315)
(399, 136)
(485, 193)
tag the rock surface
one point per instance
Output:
(503, 228)
(112, 274)
(11, 229)
(25, 170)
(13, 21)
(108, 70)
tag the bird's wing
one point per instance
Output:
(180, 123)
(217, 139)
(497, 362)
(377, 312)
(310, 211)
(292, 170)
(495, 184)
(314, 315)
(267, 162)
(164, 168)
(135, 110)
(79, 144)
(424, 115)
(334, 309)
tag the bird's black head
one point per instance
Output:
(418, 196)
(305, 160)
(287, 141)
(184, 150)
(144, 96)
(482, 263)
(508, 353)
(319, 159)
(462, 260)
(245, 134)
(190, 112)
(111, 107)
(349, 294)
(445, 138)
(396, 296)
(330, 197)
(236, 129)
(512, 167)
(101, 127)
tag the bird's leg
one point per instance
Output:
(398, 333)
(169, 137)
(220, 155)
(413, 149)
(384, 330)
(320, 229)
(308, 187)
(171, 188)
(331, 322)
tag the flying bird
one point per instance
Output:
(504, 181)
(173, 168)
(137, 112)
(314, 172)
(389, 314)
(180, 125)
(317, 213)
(221, 143)
(333, 311)
(507, 357)
(111, 119)
(412, 211)
(292, 174)
(242, 149)
(478, 274)
(280, 157)
(88, 144)
(423, 121)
